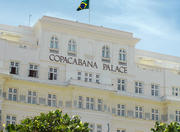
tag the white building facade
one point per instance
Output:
(94, 72)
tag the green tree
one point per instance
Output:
(54, 121)
(162, 127)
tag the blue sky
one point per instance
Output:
(155, 22)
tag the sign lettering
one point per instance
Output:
(87, 63)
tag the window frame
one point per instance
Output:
(51, 101)
(91, 127)
(121, 110)
(33, 71)
(80, 102)
(139, 113)
(122, 55)
(106, 55)
(175, 91)
(87, 103)
(79, 76)
(72, 47)
(88, 77)
(16, 65)
(139, 89)
(10, 119)
(97, 78)
(90, 103)
(155, 89)
(100, 104)
(121, 84)
(54, 42)
(32, 99)
(14, 95)
(177, 115)
(52, 73)
(99, 127)
(155, 114)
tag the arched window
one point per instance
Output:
(54, 42)
(105, 52)
(72, 47)
(122, 55)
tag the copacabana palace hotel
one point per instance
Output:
(94, 72)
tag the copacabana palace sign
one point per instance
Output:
(87, 63)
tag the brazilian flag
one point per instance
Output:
(84, 5)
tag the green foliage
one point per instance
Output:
(162, 127)
(54, 121)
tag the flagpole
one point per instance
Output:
(85, 4)
(89, 13)
(89, 16)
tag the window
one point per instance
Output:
(80, 103)
(122, 55)
(52, 75)
(10, 120)
(14, 68)
(89, 103)
(52, 100)
(91, 127)
(106, 54)
(72, 47)
(155, 114)
(79, 76)
(0, 118)
(88, 77)
(154, 90)
(120, 110)
(97, 79)
(121, 85)
(92, 104)
(99, 128)
(99, 104)
(139, 112)
(32, 97)
(177, 115)
(138, 87)
(12, 94)
(175, 91)
(54, 42)
(121, 130)
(33, 70)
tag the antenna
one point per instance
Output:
(30, 19)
